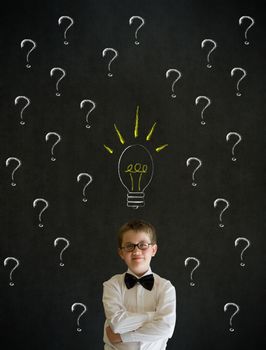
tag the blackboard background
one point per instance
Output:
(36, 312)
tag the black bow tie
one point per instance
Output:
(146, 281)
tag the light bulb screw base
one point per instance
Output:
(135, 199)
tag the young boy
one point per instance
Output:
(140, 306)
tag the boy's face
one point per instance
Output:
(138, 261)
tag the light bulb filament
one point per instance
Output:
(136, 169)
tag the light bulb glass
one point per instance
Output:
(135, 171)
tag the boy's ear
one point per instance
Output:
(154, 249)
(120, 253)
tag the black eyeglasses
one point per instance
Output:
(130, 247)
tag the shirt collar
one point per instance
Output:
(146, 273)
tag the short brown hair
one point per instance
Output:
(137, 225)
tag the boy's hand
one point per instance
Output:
(113, 337)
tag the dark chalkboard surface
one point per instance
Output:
(79, 98)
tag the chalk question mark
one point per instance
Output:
(63, 74)
(226, 207)
(241, 19)
(33, 43)
(62, 18)
(179, 75)
(214, 46)
(65, 247)
(192, 283)
(86, 185)
(84, 310)
(15, 169)
(206, 106)
(131, 20)
(22, 122)
(46, 205)
(244, 73)
(47, 136)
(11, 283)
(247, 245)
(115, 52)
(82, 103)
(228, 136)
(231, 318)
(199, 165)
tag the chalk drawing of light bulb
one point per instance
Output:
(10, 159)
(46, 205)
(84, 307)
(179, 75)
(47, 137)
(63, 18)
(33, 44)
(231, 318)
(88, 181)
(64, 248)
(6, 261)
(115, 55)
(252, 22)
(131, 20)
(25, 98)
(189, 160)
(206, 106)
(191, 258)
(228, 136)
(93, 106)
(247, 244)
(135, 171)
(135, 166)
(243, 75)
(214, 46)
(215, 203)
(62, 73)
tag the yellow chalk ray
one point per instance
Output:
(108, 149)
(121, 139)
(148, 137)
(136, 129)
(160, 148)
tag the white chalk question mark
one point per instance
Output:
(84, 310)
(244, 73)
(246, 31)
(247, 245)
(22, 122)
(87, 184)
(63, 74)
(199, 165)
(232, 133)
(65, 247)
(70, 25)
(15, 169)
(46, 205)
(112, 59)
(206, 106)
(231, 318)
(192, 283)
(33, 43)
(82, 103)
(214, 46)
(138, 28)
(47, 136)
(11, 283)
(179, 75)
(226, 206)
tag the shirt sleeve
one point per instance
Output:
(118, 318)
(163, 323)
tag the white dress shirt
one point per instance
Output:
(144, 319)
